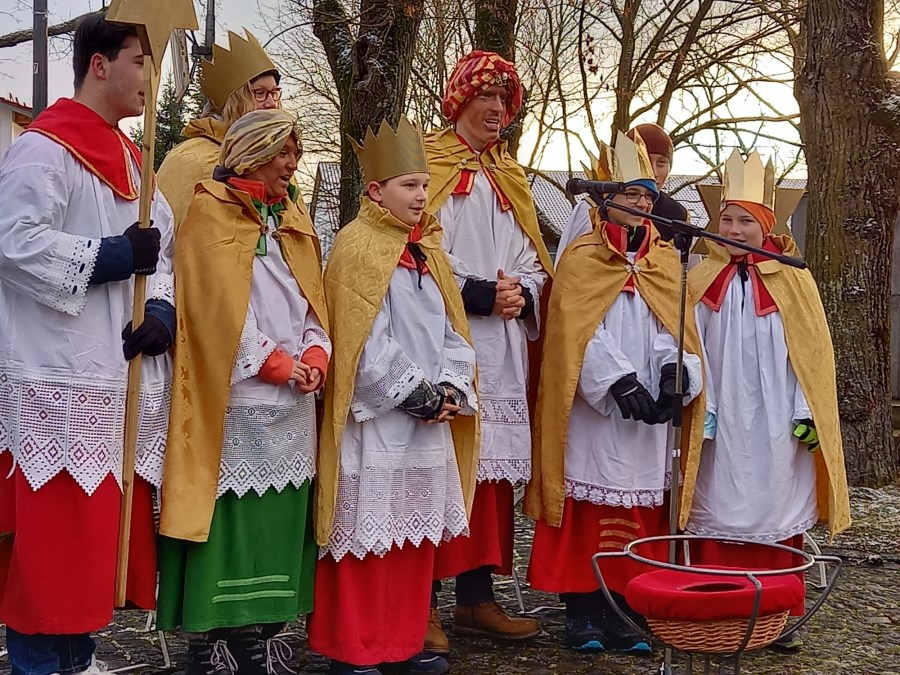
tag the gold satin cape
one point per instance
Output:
(357, 277)
(589, 277)
(191, 161)
(448, 156)
(214, 253)
(812, 357)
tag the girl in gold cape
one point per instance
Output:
(398, 455)
(237, 553)
(773, 461)
(602, 433)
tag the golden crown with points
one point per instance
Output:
(229, 69)
(628, 162)
(749, 181)
(390, 153)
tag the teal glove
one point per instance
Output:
(710, 424)
(805, 432)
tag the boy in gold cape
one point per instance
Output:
(602, 432)
(398, 455)
(773, 462)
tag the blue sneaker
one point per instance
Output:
(423, 663)
(583, 636)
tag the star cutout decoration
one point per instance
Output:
(156, 19)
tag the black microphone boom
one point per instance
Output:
(577, 186)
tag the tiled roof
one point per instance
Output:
(553, 205)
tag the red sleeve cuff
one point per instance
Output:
(315, 357)
(278, 368)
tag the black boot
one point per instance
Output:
(582, 630)
(209, 655)
(278, 652)
(249, 649)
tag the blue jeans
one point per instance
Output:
(47, 654)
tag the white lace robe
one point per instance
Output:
(610, 460)
(62, 372)
(480, 239)
(399, 480)
(270, 430)
(756, 480)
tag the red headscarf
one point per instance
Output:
(763, 214)
(476, 72)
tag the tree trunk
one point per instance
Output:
(850, 120)
(371, 73)
(495, 31)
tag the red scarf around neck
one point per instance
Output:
(467, 177)
(103, 149)
(617, 236)
(406, 258)
(762, 299)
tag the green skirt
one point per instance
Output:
(256, 567)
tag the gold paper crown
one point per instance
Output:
(751, 182)
(229, 69)
(628, 162)
(391, 153)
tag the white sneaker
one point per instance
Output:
(96, 667)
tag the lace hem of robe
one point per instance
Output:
(53, 423)
(268, 446)
(604, 496)
(511, 470)
(768, 538)
(388, 507)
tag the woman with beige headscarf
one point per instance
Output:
(237, 553)
(234, 81)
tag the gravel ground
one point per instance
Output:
(857, 631)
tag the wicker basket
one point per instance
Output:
(718, 637)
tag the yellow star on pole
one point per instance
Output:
(155, 19)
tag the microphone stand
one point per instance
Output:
(684, 232)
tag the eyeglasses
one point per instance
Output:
(634, 197)
(262, 94)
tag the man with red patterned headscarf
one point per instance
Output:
(483, 201)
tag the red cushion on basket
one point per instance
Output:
(675, 595)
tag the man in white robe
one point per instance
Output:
(68, 254)
(483, 201)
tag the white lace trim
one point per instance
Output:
(390, 506)
(315, 336)
(603, 496)
(253, 350)
(383, 389)
(768, 538)
(511, 470)
(507, 411)
(53, 423)
(266, 446)
(69, 272)
(163, 288)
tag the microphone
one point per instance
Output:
(576, 186)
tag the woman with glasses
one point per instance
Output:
(602, 424)
(236, 81)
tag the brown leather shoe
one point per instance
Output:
(436, 641)
(489, 619)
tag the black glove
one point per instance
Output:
(663, 404)
(528, 309)
(634, 401)
(144, 247)
(426, 401)
(479, 297)
(151, 338)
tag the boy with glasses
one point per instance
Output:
(602, 432)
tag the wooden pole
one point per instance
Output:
(133, 400)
